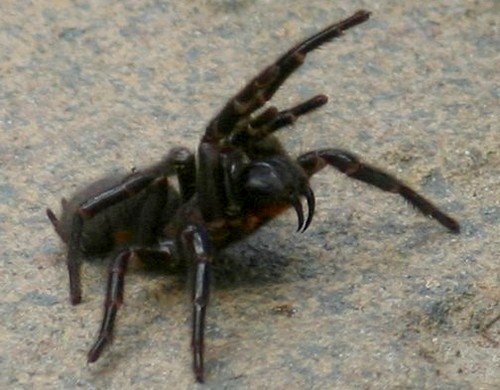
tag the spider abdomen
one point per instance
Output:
(136, 220)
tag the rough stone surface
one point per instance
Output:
(382, 297)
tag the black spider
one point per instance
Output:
(241, 179)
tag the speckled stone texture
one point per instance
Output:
(383, 297)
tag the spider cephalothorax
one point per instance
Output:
(242, 178)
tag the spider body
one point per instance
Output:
(241, 178)
(137, 219)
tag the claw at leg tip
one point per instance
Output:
(76, 299)
(93, 355)
(454, 227)
(198, 373)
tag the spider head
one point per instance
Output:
(275, 183)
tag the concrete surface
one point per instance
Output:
(382, 297)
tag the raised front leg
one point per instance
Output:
(260, 89)
(197, 248)
(272, 120)
(350, 165)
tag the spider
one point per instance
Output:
(241, 179)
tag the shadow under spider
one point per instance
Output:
(242, 264)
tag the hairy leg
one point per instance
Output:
(350, 165)
(272, 120)
(260, 89)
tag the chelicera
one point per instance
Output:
(240, 179)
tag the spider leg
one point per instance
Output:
(207, 188)
(114, 292)
(196, 246)
(289, 116)
(158, 208)
(179, 161)
(185, 164)
(215, 185)
(272, 120)
(350, 165)
(260, 89)
(114, 299)
(232, 162)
